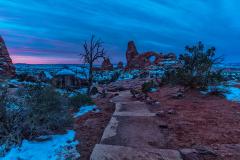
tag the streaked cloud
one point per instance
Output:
(49, 29)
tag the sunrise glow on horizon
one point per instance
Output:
(43, 60)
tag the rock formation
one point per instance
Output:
(106, 64)
(131, 52)
(7, 69)
(139, 61)
(120, 65)
(66, 79)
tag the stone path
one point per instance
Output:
(133, 133)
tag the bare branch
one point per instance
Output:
(93, 50)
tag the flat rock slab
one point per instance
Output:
(134, 132)
(135, 106)
(123, 97)
(134, 114)
(134, 109)
(110, 152)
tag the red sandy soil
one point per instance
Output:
(199, 120)
(90, 127)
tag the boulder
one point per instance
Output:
(106, 64)
(7, 69)
(199, 154)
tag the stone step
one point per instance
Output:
(134, 131)
(134, 114)
(114, 152)
(136, 107)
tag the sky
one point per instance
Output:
(53, 31)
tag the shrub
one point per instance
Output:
(11, 123)
(41, 112)
(196, 68)
(148, 86)
(115, 77)
(25, 77)
(217, 91)
(46, 110)
(170, 77)
(144, 74)
(79, 100)
(94, 91)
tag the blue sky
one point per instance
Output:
(52, 31)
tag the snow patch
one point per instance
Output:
(65, 72)
(233, 94)
(59, 147)
(85, 109)
(48, 75)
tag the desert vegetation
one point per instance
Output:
(33, 111)
(41, 112)
(196, 68)
(79, 100)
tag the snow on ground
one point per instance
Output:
(59, 147)
(62, 92)
(66, 72)
(233, 94)
(16, 82)
(129, 75)
(48, 75)
(85, 109)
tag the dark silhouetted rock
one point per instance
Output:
(120, 65)
(7, 70)
(106, 64)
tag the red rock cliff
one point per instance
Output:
(6, 66)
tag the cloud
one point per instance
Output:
(57, 28)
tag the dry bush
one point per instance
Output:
(79, 100)
(43, 112)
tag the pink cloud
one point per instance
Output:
(41, 57)
(27, 50)
(44, 60)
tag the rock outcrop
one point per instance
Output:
(120, 65)
(131, 52)
(66, 79)
(7, 70)
(139, 61)
(106, 64)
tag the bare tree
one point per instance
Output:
(93, 51)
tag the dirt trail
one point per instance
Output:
(195, 127)
(133, 133)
